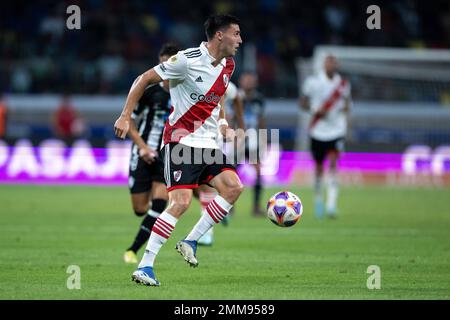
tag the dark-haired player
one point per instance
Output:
(198, 78)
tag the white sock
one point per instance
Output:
(215, 212)
(332, 192)
(205, 198)
(161, 231)
(318, 193)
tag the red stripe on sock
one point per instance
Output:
(163, 227)
(161, 233)
(219, 208)
(216, 211)
(166, 224)
(208, 209)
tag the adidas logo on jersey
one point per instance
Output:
(199, 79)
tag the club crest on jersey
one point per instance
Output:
(177, 175)
(225, 80)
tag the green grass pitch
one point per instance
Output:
(405, 231)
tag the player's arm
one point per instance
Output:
(174, 68)
(305, 103)
(224, 129)
(122, 124)
(145, 152)
(306, 91)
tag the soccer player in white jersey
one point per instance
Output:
(198, 78)
(327, 97)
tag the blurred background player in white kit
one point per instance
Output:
(327, 97)
(233, 107)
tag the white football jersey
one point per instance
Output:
(321, 90)
(196, 87)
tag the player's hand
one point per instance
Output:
(121, 127)
(148, 155)
(227, 133)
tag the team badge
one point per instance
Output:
(225, 80)
(177, 175)
(173, 58)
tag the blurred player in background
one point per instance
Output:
(254, 119)
(327, 97)
(68, 124)
(146, 174)
(198, 78)
(233, 105)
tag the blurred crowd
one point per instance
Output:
(119, 39)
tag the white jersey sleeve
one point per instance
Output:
(231, 92)
(174, 68)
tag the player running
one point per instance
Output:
(146, 174)
(327, 97)
(198, 78)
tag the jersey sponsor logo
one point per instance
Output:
(226, 79)
(177, 175)
(210, 97)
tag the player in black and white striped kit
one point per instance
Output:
(146, 174)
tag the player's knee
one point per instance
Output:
(234, 190)
(140, 210)
(140, 213)
(180, 204)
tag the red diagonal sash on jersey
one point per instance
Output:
(199, 112)
(330, 102)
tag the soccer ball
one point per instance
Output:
(284, 209)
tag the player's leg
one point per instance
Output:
(180, 179)
(222, 176)
(318, 153)
(258, 149)
(333, 183)
(179, 201)
(159, 202)
(318, 189)
(205, 195)
(140, 204)
(257, 191)
(229, 187)
(139, 183)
